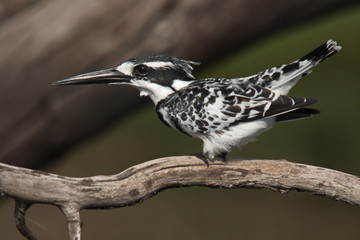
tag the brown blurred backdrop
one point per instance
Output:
(96, 130)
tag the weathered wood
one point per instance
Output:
(51, 40)
(142, 181)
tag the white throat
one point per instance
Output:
(178, 84)
(155, 91)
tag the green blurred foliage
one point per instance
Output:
(330, 139)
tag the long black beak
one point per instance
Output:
(98, 77)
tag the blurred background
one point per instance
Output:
(97, 130)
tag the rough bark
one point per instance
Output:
(44, 41)
(142, 181)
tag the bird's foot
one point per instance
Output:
(222, 156)
(206, 159)
(203, 157)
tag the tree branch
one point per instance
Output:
(20, 210)
(147, 179)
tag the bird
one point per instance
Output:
(222, 112)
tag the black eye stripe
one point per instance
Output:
(142, 69)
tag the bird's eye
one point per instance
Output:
(142, 69)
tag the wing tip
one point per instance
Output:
(297, 114)
(311, 100)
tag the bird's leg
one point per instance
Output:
(203, 157)
(222, 156)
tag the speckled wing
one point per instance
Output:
(217, 104)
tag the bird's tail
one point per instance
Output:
(322, 52)
(289, 74)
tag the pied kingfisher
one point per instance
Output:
(222, 112)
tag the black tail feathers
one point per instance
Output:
(322, 52)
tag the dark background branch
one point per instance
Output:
(44, 41)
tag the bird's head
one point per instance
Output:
(157, 76)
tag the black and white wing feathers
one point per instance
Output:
(218, 104)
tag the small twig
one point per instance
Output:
(147, 179)
(20, 211)
(72, 214)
